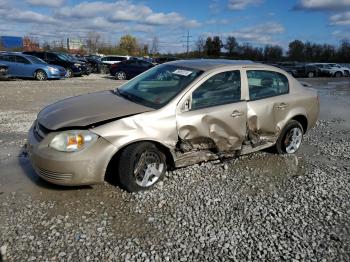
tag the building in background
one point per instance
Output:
(11, 42)
(74, 45)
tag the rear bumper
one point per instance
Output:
(84, 167)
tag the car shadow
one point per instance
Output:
(109, 77)
(29, 172)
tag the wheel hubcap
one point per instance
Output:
(121, 76)
(148, 169)
(40, 76)
(293, 140)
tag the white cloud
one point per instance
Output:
(340, 19)
(124, 10)
(214, 21)
(48, 3)
(323, 5)
(28, 17)
(214, 6)
(242, 4)
(260, 34)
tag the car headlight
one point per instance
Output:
(52, 68)
(73, 140)
(77, 65)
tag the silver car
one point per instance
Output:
(173, 115)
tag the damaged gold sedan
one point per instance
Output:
(173, 115)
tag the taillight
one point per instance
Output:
(114, 65)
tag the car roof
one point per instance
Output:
(117, 56)
(209, 64)
(16, 53)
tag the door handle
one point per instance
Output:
(237, 113)
(282, 106)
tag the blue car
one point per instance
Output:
(27, 66)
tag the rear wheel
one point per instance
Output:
(40, 75)
(140, 166)
(338, 74)
(310, 74)
(69, 73)
(290, 138)
(120, 75)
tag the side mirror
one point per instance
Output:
(186, 106)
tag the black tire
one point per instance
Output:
(40, 75)
(69, 73)
(120, 75)
(338, 74)
(136, 160)
(311, 74)
(284, 139)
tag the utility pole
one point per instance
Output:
(187, 41)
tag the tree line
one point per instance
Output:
(215, 47)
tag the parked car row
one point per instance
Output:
(311, 70)
(26, 66)
(43, 65)
(73, 66)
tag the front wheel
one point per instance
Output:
(290, 138)
(40, 75)
(120, 75)
(140, 166)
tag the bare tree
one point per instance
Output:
(93, 41)
(200, 44)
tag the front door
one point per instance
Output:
(215, 116)
(23, 67)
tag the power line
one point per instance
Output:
(187, 41)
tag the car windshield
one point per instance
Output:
(36, 60)
(157, 86)
(63, 57)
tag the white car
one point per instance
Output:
(110, 60)
(337, 70)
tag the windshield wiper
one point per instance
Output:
(124, 95)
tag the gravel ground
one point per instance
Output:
(257, 207)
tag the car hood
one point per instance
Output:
(86, 110)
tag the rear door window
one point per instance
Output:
(8, 58)
(264, 84)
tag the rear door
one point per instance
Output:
(215, 114)
(9, 60)
(268, 105)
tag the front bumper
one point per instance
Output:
(84, 167)
(56, 74)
